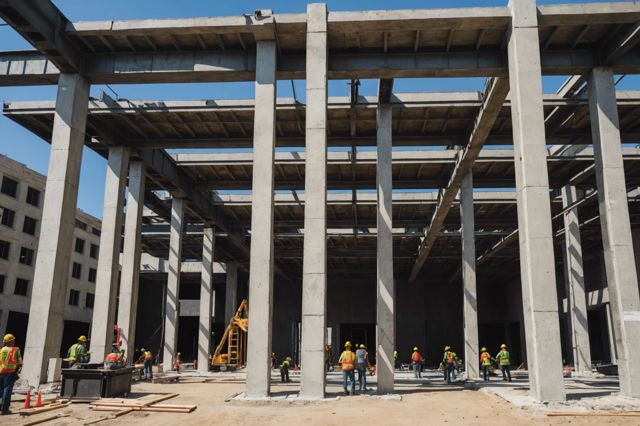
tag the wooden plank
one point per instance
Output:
(44, 419)
(39, 410)
(109, 417)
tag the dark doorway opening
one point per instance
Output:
(72, 330)
(359, 334)
(17, 325)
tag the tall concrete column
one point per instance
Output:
(44, 332)
(575, 287)
(537, 269)
(616, 229)
(173, 284)
(314, 275)
(129, 278)
(206, 296)
(261, 258)
(104, 309)
(470, 299)
(231, 291)
(613, 350)
(386, 338)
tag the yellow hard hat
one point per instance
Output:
(446, 348)
(142, 349)
(503, 346)
(178, 353)
(483, 349)
(348, 344)
(363, 347)
(8, 338)
(415, 348)
(82, 338)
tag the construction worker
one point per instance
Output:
(416, 363)
(112, 360)
(485, 361)
(176, 363)
(147, 358)
(396, 364)
(449, 360)
(274, 361)
(347, 362)
(327, 357)
(505, 363)
(362, 361)
(78, 351)
(10, 367)
(284, 370)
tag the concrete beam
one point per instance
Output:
(206, 300)
(496, 92)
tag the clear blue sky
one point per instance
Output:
(27, 148)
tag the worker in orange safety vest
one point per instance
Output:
(10, 367)
(347, 361)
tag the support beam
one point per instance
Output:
(314, 272)
(231, 291)
(537, 266)
(206, 299)
(129, 278)
(261, 262)
(470, 299)
(575, 285)
(495, 93)
(173, 285)
(44, 332)
(613, 349)
(616, 229)
(385, 322)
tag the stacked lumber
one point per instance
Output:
(48, 406)
(146, 403)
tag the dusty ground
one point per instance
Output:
(423, 402)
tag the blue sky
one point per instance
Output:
(27, 148)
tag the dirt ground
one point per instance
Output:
(419, 405)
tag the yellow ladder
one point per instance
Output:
(233, 346)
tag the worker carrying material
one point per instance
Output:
(347, 362)
(449, 360)
(284, 370)
(78, 352)
(10, 367)
(362, 361)
(416, 363)
(485, 362)
(505, 362)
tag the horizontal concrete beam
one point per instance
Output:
(595, 299)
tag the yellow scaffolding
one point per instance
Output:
(234, 340)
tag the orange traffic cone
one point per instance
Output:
(27, 400)
(39, 400)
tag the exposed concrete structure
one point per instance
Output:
(206, 302)
(397, 253)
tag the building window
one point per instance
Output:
(22, 287)
(74, 297)
(33, 196)
(29, 225)
(80, 224)
(2, 280)
(95, 232)
(88, 303)
(5, 246)
(79, 245)
(8, 216)
(26, 256)
(9, 187)
(93, 251)
(92, 275)
(76, 272)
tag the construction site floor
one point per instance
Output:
(417, 401)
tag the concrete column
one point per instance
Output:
(44, 332)
(576, 291)
(206, 296)
(314, 275)
(386, 339)
(261, 258)
(537, 269)
(231, 291)
(470, 300)
(104, 309)
(613, 350)
(129, 278)
(616, 229)
(173, 284)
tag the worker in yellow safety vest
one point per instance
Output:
(78, 351)
(10, 366)
(485, 361)
(147, 357)
(505, 363)
(347, 362)
(449, 360)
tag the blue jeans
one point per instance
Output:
(346, 376)
(506, 372)
(417, 370)
(362, 376)
(148, 368)
(485, 372)
(448, 372)
(6, 383)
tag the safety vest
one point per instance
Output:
(347, 359)
(485, 358)
(10, 359)
(112, 357)
(503, 356)
(75, 351)
(450, 357)
(148, 356)
(416, 357)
